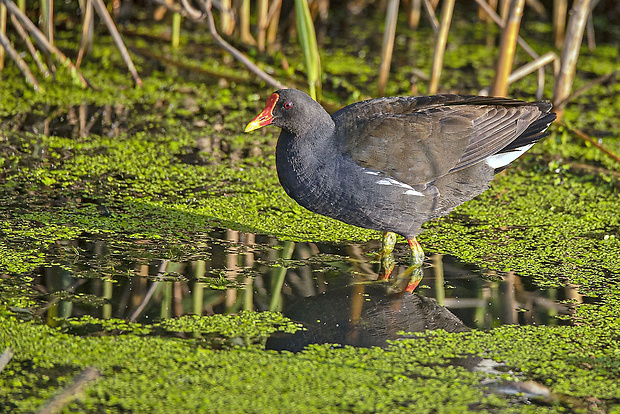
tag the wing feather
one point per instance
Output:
(419, 139)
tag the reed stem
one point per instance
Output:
(570, 53)
(440, 45)
(388, 44)
(508, 44)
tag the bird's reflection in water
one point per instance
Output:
(333, 290)
(363, 314)
(370, 313)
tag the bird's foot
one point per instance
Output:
(414, 272)
(387, 256)
(417, 254)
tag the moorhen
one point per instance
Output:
(391, 164)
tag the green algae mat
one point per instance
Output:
(104, 187)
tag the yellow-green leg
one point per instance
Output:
(387, 255)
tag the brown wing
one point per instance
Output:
(417, 140)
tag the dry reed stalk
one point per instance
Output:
(387, 46)
(508, 44)
(498, 20)
(87, 32)
(175, 8)
(226, 22)
(33, 52)
(323, 9)
(413, 13)
(592, 141)
(528, 68)
(540, 85)
(189, 10)
(438, 272)
(149, 294)
(590, 26)
(263, 12)
(590, 32)
(538, 7)
(528, 49)
(47, 19)
(273, 20)
(195, 69)
(5, 358)
(570, 53)
(70, 393)
(206, 8)
(601, 79)
(483, 15)
(560, 7)
(42, 41)
(430, 12)
(440, 44)
(3, 31)
(100, 8)
(5, 43)
(232, 267)
(244, 23)
(159, 13)
(504, 6)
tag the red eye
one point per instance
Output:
(288, 105)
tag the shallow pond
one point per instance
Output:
(143, 234)
(331, 289)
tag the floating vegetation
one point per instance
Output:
(142, 234)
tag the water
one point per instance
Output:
(332, 289)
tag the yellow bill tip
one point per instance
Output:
(254, 124)
(266, 116)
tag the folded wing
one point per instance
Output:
(417, 140)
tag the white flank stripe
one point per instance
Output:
(501, 160)
(391, 181)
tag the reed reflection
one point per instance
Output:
(333, 289)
